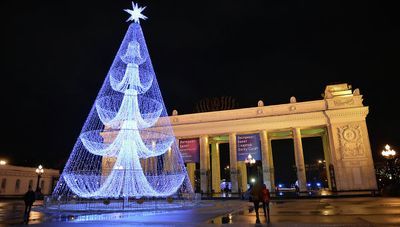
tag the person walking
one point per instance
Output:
(265, 198)
(29, 199)
(256, 198)
(297, 190)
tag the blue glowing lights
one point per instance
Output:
(126, 147)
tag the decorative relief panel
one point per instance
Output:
(344, 101)
(350, 141)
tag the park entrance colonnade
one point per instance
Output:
(339, 119)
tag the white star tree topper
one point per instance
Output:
(136, 13)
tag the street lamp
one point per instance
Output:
(39, 172)
(389, 155)
(249, 162)
(321, 168)
(227, 173)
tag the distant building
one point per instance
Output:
(15, 180)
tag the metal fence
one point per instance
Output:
(129, 204)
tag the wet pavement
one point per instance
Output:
(12, 211)
(359, 211)
(365, 211)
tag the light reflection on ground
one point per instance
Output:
(358, 211)
(110, 216)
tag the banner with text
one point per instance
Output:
(190, 149)
(248, 144)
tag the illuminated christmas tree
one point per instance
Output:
(126, 147)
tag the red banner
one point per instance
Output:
(190, 149)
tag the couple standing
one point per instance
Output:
(260, 193)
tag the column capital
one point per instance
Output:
(203, 139)
(296, 131)
(263, 132)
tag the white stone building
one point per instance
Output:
(14, 180)
(339, 119)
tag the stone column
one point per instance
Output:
(266, 159)
(143, 164)
(215, 167)
(233, 162)
(271, 162)
(243, 175)
(152, 164)
(167, 160)
(325, 144)
(299, 158)
(204, 163)
(147, 165)
(191, 168)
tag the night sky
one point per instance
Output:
(56, 55)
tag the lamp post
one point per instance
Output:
(39, 172)
(227, 173)
(389, 155)
(249, 162)
(322, 174)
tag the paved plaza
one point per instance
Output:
(357, 211)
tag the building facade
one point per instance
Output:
(15, 180)
(339, 119)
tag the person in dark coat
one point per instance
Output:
(255, 194)
(29, 199)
